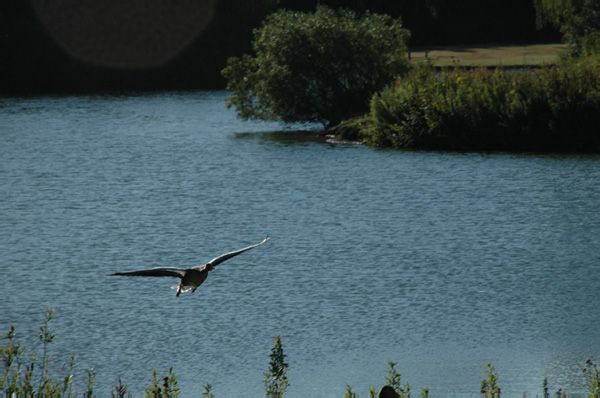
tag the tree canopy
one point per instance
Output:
(578, 20)
(316, 67)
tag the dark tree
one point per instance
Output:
(316, 67)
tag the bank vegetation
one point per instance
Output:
(540, 109)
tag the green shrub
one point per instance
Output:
(550, 109)
(578, 20)
(316, 67)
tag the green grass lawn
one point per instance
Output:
(490, 55)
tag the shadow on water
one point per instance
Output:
(294, 137)
(287, 137)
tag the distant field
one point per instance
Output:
(490, 55)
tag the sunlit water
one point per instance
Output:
(440, 262)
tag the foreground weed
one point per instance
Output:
(91, 376)
(207, 391)
(372, 392)
(393, 378)
(68, 370)
(276, 381)
(167, 389)
(592, 375)
(11, 352)
(349, 393)
(20, 369)
(120, 390)
(489, 386)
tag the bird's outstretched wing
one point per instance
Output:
(154, 272)
(218, 260)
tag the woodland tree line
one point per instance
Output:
(33, 62)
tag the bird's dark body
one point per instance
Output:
(191, 277)
(194, 277)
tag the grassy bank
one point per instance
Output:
(547, 109)
(490, 55)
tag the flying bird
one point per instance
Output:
(191, 277)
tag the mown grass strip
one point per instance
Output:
(490, 55)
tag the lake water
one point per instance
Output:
(442, 262)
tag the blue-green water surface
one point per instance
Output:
(441, 262)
